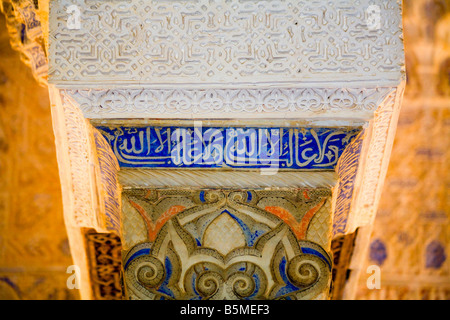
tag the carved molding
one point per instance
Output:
(141, 178)
(369, 183)
(224, 103)
(347, 170)
(108, 187)
(362, 168)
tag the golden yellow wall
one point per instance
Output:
(411, 236)
(34, 252)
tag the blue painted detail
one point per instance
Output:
(108, 176)
(141, 252)
(435, 255)
(10, 283)
(318, 254)
(228, 147)
(289, 287)
(249, 196)
(377, 251)
(199, 244)
(23, 33)
(250, 236)
(194, 279)
(257, 286)
(347, 170)
(202, 196)
(163, 288)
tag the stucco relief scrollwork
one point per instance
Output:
(215, 244)
(379, 149)
(76, 160)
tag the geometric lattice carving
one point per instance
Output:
(216, 42)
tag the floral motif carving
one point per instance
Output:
(286, 102)
(229, 245)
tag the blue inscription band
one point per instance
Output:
(228, 147)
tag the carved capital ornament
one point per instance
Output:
(226, 143)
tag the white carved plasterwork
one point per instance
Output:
(373, 169)
(218, 42)
(129, 59)
(233, 59)
(76, 161)
(238, 103)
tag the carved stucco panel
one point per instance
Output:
(76, 160)
(284, 102)
(215, 42)
(225, 244)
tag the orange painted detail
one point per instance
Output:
(148, 193)
(305, 194)
(287, 217)
(153, 228)
(299, 228)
